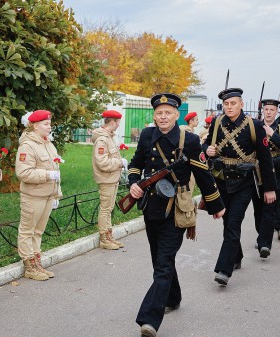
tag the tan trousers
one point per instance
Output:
(34, 216)
(192, 183)
(108, 193)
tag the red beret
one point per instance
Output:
(208, 119)
(39, 115)
(189, 116)
(112, 114)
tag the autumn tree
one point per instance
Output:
(45, 63)
(144, 64)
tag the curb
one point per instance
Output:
(68, 251)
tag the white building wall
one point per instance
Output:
(198, 104)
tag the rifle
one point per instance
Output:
(226, 86)
(260, 103)
(127, 202)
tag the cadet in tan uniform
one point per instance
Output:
(192, 121)
(39, 177)
(107, 165)
(204, 133)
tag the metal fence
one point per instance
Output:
(74, 213)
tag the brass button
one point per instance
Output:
(172, 160)
(152, 158)
(151, 193)
(173, 152)
(227, 177)
(153, 170)
(154, 149)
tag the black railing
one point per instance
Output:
(75, 212)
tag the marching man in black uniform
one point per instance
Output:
(266, 214)
(157, 147)
(234, 144)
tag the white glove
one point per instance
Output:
(54, 175)
(55, 204)
(124, 163)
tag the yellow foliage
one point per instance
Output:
(146, 64)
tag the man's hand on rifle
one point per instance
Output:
(136, 191)
(211, 151)
(219, 214)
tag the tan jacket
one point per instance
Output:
(35, 157)
(203, 135)
(106, 159)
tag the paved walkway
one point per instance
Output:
(98, 294)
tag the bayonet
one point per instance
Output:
(226, 86)
(260, 103)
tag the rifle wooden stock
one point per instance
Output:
(127, 202)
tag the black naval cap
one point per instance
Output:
(231, 92)
(270, 102)
(166, 98)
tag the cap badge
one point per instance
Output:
(163, 99)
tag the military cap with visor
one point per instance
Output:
(166, 98)
(231, 92)
(270, 102)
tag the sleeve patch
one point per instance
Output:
(265, 141)
(101, 150)
(22, 156)
(202, 158)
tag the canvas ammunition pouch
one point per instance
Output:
(185, 209)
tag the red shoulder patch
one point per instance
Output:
(202, 157)
(101, 150)
(22, 156)
(265, 141)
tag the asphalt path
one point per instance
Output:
(98, 294)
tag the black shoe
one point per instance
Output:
(148, 330)
(169, 309)
(237, 265)
(222, 278)
(264, 252)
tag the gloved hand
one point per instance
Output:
(54, 175)
(124, 162)
(55, 204)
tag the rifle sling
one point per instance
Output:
(166, 162)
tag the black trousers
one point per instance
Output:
(236, 205)
(165, 240)
(265, 219)
(277, 218)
